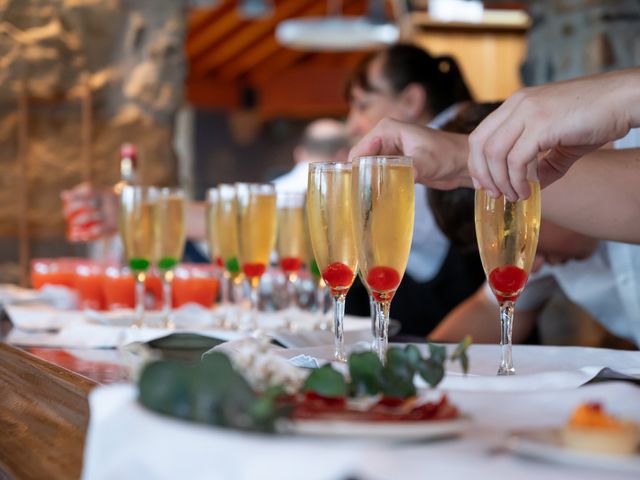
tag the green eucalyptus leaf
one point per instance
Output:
(164, 387)
(365, 370)
(437, 353)
(413, 356)
(431, 371)
(326, 381)
(398, 374)
(461, 353)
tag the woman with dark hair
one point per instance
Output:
(406, 83)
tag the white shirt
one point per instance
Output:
(295, 180)
(429, 246)
(603, 285)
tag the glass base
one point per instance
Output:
(506, 371)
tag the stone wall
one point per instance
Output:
(129, 54)
(570, 38)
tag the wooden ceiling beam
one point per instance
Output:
(285, 58)
(213, 94)
(245, 62)
(199, 19)
(201, 43)
(304, 91)
(248, 37)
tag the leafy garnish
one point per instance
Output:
(460, 353)
(368, 376)
(326, 381)
(213, 392)
(209, 392)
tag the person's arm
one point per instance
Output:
(439, 158)
(553, 125)
(195, 221)
(599, 196)
(478, 316)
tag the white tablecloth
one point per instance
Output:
(126, 441)
(40, 325)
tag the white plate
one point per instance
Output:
(547, 445)
(427, 429)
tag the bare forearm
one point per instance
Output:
(478, 316)
(195, 226)
(599, 196)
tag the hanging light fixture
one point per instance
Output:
(255, 9)
(335, 32)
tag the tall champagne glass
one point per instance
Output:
(213, 241)
(137, 205)
(212, 203)
(256, 233)
(291, 245)
(329, 214)
(169, 237)
(320, 288)
(226, 224)
(383, 210)
(507, 235)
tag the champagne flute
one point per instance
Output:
(383, 210)
(213, 241)
(212, 204)
(332, 239)
(507, 235)
(226, 223)
(290, 245)
(256, 205)
(316, 277)
(169, 237)
(136, 220)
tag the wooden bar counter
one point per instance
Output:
(44, 415)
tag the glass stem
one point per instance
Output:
(139, 314)
(292, 302)
(338, 327)
(382, 337)
(224, 288)
(255, 301)
(374, 323)
(506, 330)
(167, 279)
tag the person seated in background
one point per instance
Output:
(598, 196)
(323, 140)
(407, 83)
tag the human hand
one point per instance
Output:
(90, 213)
(439, 158)
(553, 125)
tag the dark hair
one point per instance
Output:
(406, 64)
(453, 210)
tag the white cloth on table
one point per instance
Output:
(126, 441)
(45, 326)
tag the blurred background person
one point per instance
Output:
(406, 83)
(323, 140)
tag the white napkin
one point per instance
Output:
(12, 294)
(55, 295)
(538, 367)
(125, 441)
(45, 326)
(41, 317)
